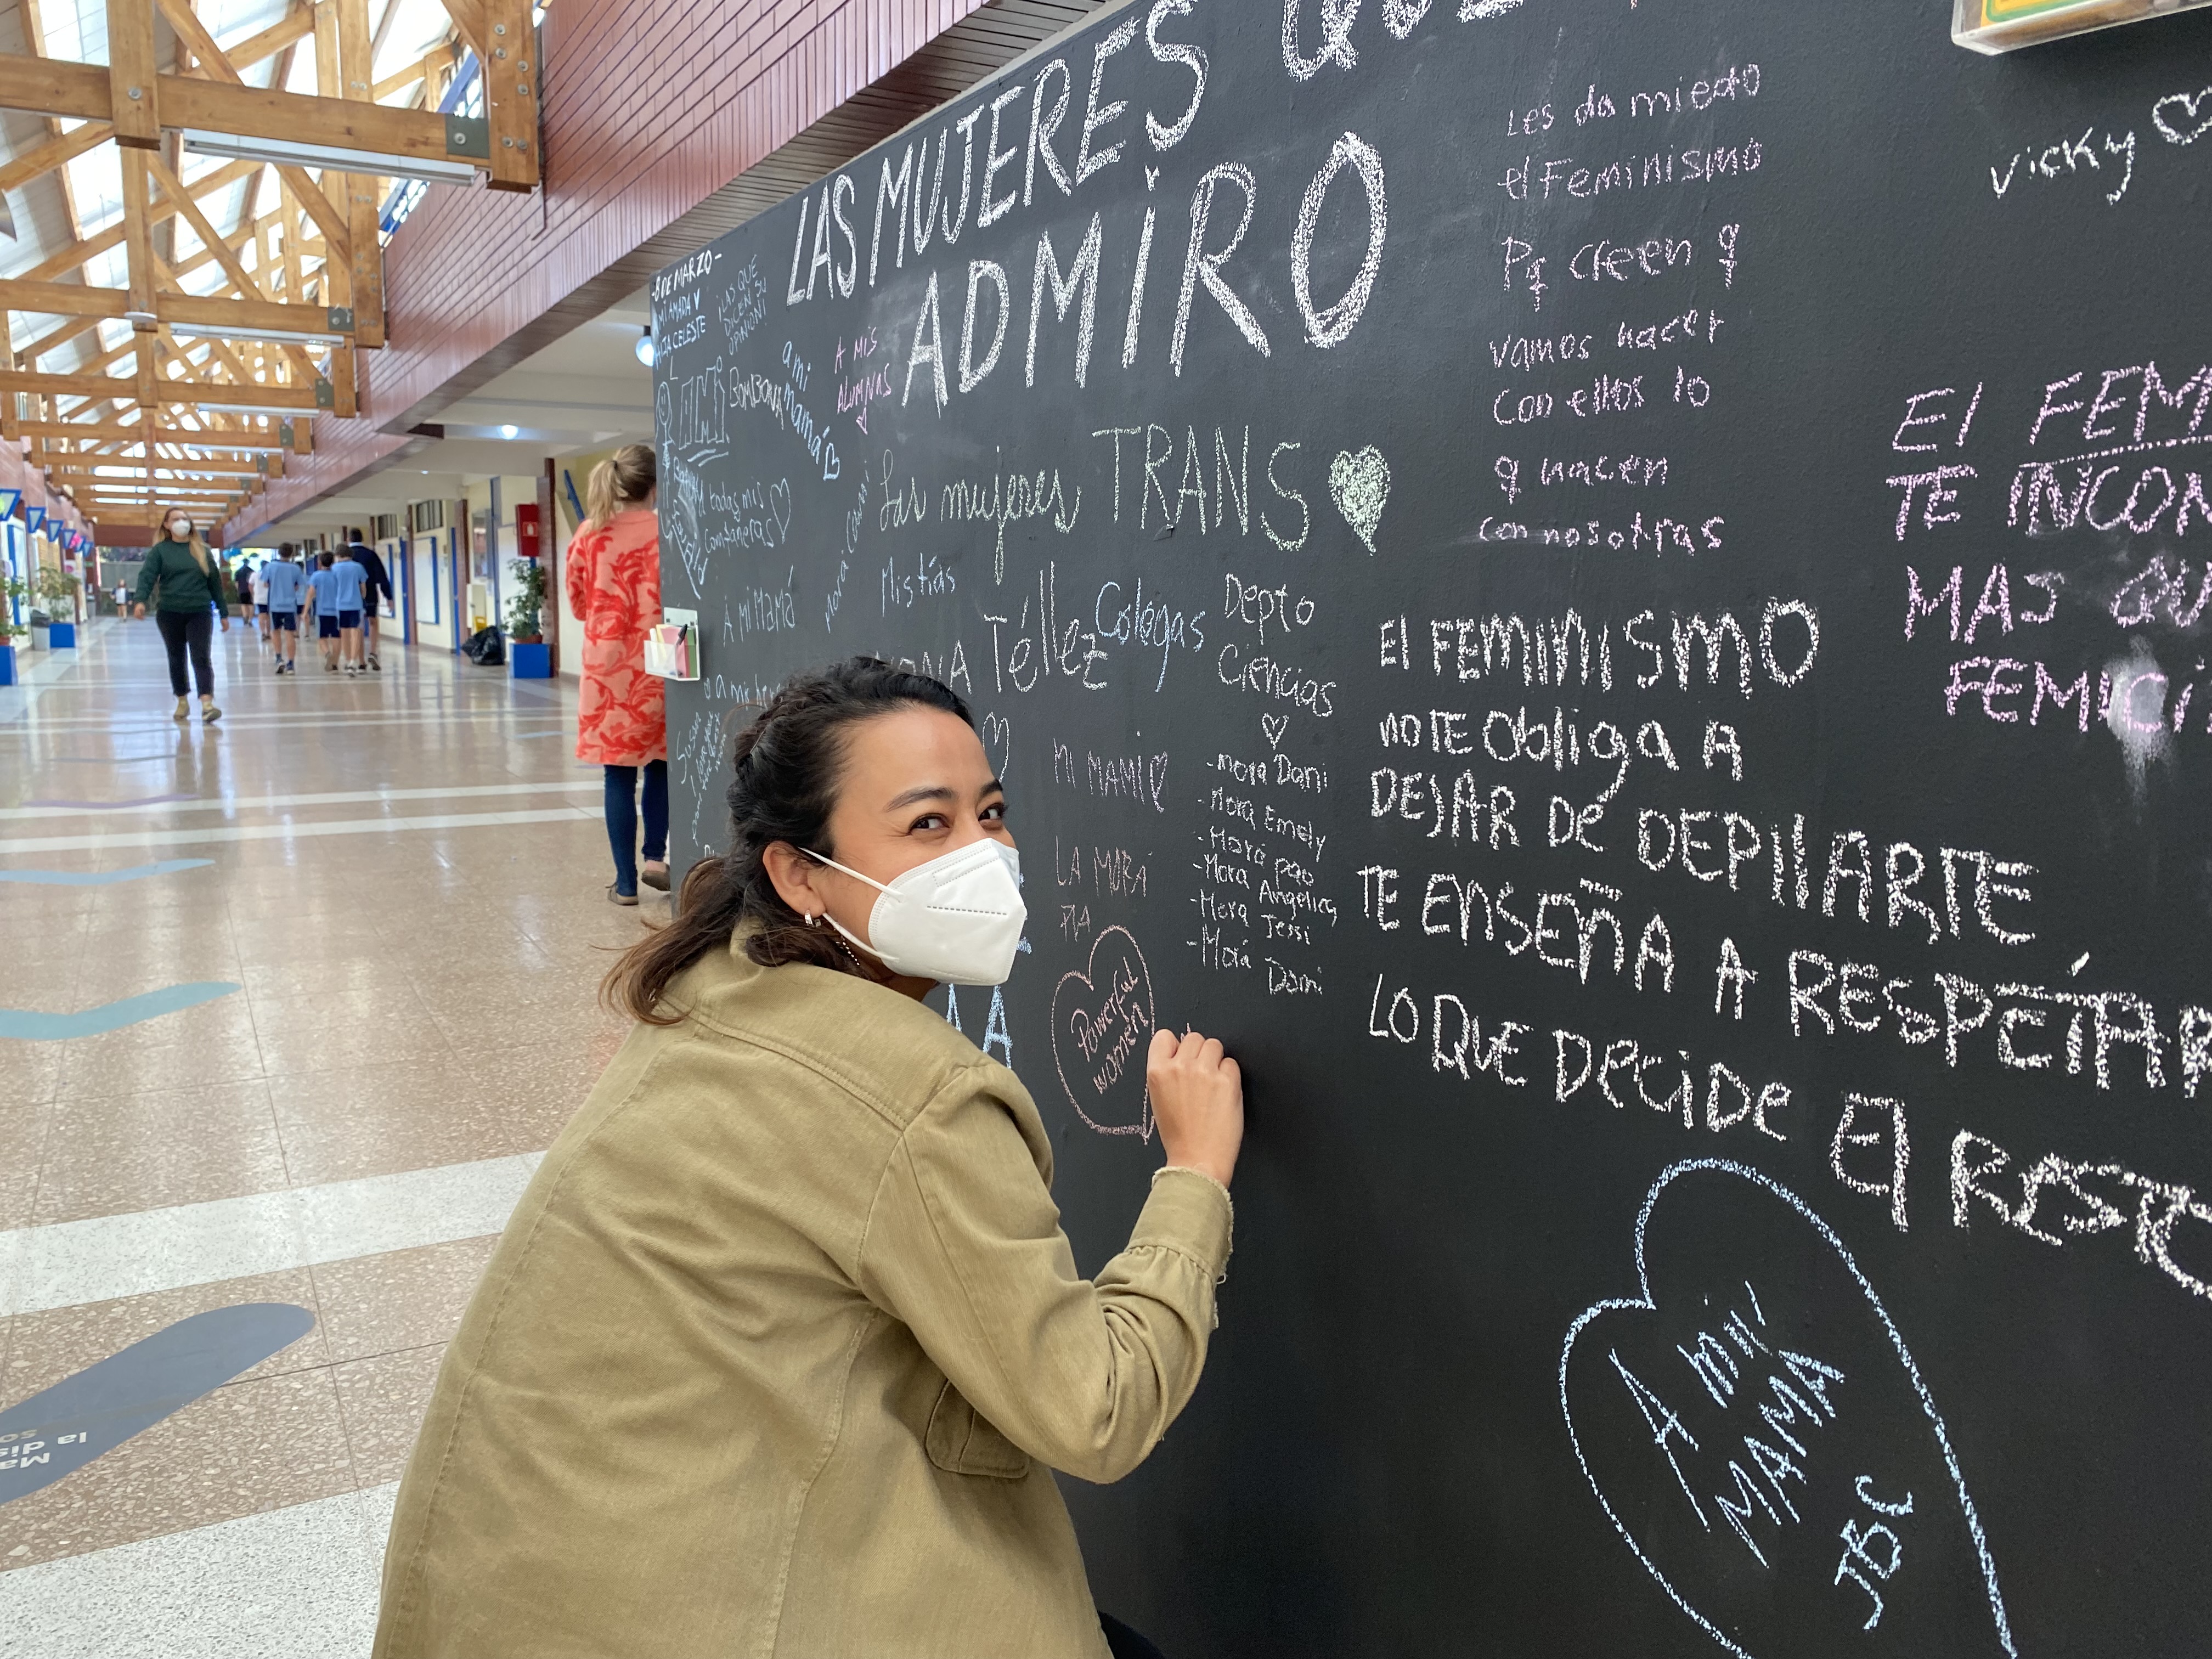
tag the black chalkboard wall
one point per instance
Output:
(1615, 594)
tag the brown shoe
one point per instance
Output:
(620, 898)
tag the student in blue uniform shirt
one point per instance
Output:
(324, 581)
(284, 585)
(351, 598)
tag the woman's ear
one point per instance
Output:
(792, 872)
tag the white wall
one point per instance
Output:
(434, 602)
(392, 624)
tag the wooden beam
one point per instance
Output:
(251, 112)
(64, 385)
(338, 284)
(147, 346)
(34, 35)
(193, 33)
(54, 154)
(127, 433)
(63, 300)
(46, 86)
(511, 92)
(91, 247)
(54, 86)
(211, 239)
(364, 286)
(326, 50)
(135, 88)
(188, 392)
(137, 239)
(469, 22)
(344, 403)
(432, 62)
(296, 25)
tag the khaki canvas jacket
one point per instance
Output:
(779, 1350)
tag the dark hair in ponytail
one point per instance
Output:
(788, 764)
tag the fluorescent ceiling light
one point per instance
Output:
(229, 331)
(289, 152)
(510, 430)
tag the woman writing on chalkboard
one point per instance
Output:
(782, 1344)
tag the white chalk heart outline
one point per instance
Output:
(2192, 101)
(1272, 727)
(1644, 1304)
(998, 736)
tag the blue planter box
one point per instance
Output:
(530, 662)
(61, 636)
(6, 665)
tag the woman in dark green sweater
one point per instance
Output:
(183, 583)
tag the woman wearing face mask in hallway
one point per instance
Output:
(781, 1345)
(614, 588)
(184, 583)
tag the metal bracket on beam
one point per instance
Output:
(469, 136)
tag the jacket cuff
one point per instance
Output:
(1190, 1213)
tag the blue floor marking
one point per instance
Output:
(59, 1429)
(101, 878)
(33, 1027)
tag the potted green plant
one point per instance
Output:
(12, 595)
(526, 648)
(57, 591)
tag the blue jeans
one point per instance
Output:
(622, 820)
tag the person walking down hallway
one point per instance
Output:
(283, 585)
(323, 581)
(614, 588)
(376, 588)
(182, 581)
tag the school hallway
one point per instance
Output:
(289, 1007)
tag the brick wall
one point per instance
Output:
(648, 108)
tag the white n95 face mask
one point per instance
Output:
(957, 919)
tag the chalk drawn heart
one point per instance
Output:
(998, 735)
(2195, 124)
(1272, 728)
(1102, 1028)
(1756, 1429)
(1361, 484)
(779, 502)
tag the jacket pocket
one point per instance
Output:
(961, 1441)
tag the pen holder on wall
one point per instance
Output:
(1999, 25)
(671, 645)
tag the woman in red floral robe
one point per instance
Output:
(614, 588)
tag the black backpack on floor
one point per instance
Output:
(486, 648)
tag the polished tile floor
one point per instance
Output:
(290, 1005)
